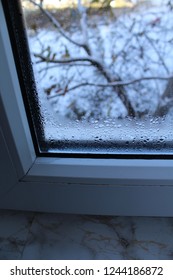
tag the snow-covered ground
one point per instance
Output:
(135, 45)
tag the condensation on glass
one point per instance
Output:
(103, 71)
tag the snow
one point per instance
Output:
(134, 45)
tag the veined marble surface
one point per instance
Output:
(27, 235)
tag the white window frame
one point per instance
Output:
(131, 187)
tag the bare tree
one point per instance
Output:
(120, 90)
(93, 60)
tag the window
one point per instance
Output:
(103, 75)
(92, 185)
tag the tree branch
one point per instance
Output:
(84, 27)
(59, 27)
(114, 84)
(96, 63)
(69, 65)
(157, 52)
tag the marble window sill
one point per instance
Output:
(28, 235)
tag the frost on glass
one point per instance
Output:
(104, 74)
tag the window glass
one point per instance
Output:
(103, 72)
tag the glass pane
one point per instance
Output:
(103, 71)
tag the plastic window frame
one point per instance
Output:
(130, 187)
